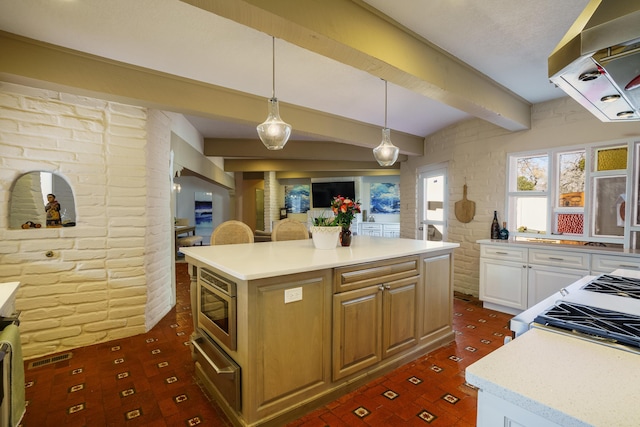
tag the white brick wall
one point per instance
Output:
(476, 153)
(109, 276)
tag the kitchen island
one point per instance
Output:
(312, 325)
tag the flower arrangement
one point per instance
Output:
(345, 210)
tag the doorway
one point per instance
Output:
(433, 203)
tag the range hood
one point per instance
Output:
(598, 61)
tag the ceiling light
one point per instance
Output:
(386, 153)
(610, 98)
(274, 133)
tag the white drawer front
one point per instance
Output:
(503, 253)
(608, 263)
(559, 258)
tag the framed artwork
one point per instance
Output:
(203, 209)
(296, 198)
(385, 198)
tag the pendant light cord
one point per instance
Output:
(385, 104)
(273, 63)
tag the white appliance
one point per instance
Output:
(604, 309)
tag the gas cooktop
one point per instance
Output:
(595, 322)
(615, 285)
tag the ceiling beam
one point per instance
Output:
(353, 33)
(25, 61)
(301, 150)
(259, 165)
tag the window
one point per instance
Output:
(528, 180)
(574, 193)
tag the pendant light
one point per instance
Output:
(274, 133)
(386, 153)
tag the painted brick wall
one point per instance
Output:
(108, 276)
(476, 153)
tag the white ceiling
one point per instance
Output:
(507, 40)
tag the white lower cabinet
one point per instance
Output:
(602, 264)
(503, 283)
(495, 411)
(545, 281)
(514, 278)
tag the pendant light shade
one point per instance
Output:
(274, 133)
(386, 153)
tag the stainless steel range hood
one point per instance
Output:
(598, 61)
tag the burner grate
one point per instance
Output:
(621, 327)
(615, 285)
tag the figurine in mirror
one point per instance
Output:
(41, 199)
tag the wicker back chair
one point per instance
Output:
(232, 232)
(289, 229)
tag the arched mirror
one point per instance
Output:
(41, 199)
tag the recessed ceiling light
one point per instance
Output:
(625, 114)
(610, 98)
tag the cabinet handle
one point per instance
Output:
(387, 286)
(502, 253)
(524, 266)
(381, 287)
(628, 266)
(219, 371)
(556, 259)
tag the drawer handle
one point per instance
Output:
(556, 259)
(227, 370)
(628, 266)
(502, 253)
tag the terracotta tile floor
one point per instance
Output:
(148, 380)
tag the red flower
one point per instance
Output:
(344, 209)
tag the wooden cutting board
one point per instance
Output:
(465, 209)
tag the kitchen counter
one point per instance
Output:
(544, 378)
(251, 261)
(555, 246)
(311, 324)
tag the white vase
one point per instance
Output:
(325, 237)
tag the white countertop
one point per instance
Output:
(8, 298)
(562, 246)
(567, 380)
(249, 261)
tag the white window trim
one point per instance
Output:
(550, 194)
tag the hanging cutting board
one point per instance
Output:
(465, 209)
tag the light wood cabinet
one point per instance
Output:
(435, 299)
(374, 313)
(307, 337)
(288, 343)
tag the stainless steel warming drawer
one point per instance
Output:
(218, 368)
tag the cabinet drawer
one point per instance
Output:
(359, 276)
(503, 253)
(577, 260)
(608, 263)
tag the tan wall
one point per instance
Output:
(476, 151)
(108, 277)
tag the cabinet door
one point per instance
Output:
(357, 331)
(544, 282)
(371, 229)
(437, 298)
(503, 283)
(399, 326)
(289, 340)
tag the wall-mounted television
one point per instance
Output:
(322, 193)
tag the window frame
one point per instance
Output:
(553, 192)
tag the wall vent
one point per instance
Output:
(50, 360)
